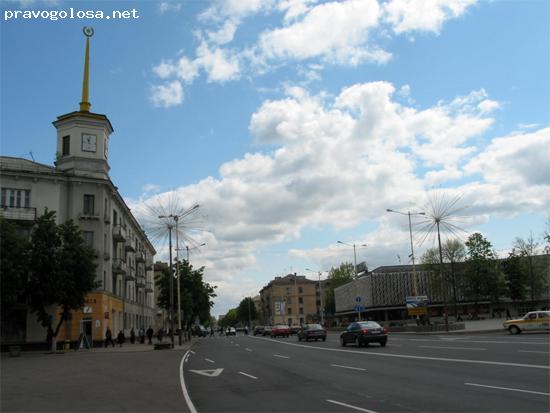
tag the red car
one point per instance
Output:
(280, 330)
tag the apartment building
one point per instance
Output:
(78, 187)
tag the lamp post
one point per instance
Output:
(322, 309)
(354, 254)
(409, 213)
(171, 278)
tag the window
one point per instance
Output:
(289, 310)
(300, 290)
(88, 204)
(66, 145)
(301, 310)
(300, 300)
(16, 198)
(88, 238)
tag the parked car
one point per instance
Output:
(534, 320)
(280, 330)
(258, 330)
(230, 331)
(294, 329)
(312, 332)
(267, 331)
(364, 332)
(200, 331)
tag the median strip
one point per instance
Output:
(507, 388)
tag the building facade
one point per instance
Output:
(78, 188)
(291, 300)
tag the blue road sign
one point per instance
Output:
(358, 299)
(359, 308)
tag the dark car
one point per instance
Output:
(280, 330)
(258, 330)
(364, 332)
(267, 331)
(200, 331)
(312, 332)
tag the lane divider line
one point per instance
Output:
(351, 407)
(348, 367)
(507, 388)
(188, 401)
(210, 361)
(533, 351)
(247, 349)
(455, 348)
(248, 375)
(281, 357)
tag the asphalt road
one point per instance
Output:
(493, 372)
(470, 373)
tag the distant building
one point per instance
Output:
(292, 299)
(78, 187)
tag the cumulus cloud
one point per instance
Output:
(167, 95)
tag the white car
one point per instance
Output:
(534, 320)
(230, 331)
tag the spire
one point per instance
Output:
(85, 105)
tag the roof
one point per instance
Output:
(10, 163)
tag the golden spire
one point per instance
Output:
(85, 105)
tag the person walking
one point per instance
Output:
(132, 336)
(150, 333)
(141, 334)
(120, 338)
(508, 315)
(160, 334)
(109, 338)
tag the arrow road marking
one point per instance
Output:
(208, 373)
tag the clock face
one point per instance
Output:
(89, 142)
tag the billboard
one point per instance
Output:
(280, 308)
(417, 305)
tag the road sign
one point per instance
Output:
(358, 299)
(208, 373)
(359, 308)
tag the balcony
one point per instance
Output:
(106, 256)
(119, 233)
(140, 256)
(140, 282)
(90, 215)
(119, 266)
(18, 213)
(129, 247)
(130, 276)
(107, 218)
(149, 286)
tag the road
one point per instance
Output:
(494, 372)
(483, 373)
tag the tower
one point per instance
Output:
(83, 136)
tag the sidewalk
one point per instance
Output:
(489, 325)
(128, 347)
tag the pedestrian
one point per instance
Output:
(150, 333)
(120, 338)
(245, 330)
(508, 315)
(132, 336)
(211, 331)
(160, 334)
(141, 335)
(109, 338)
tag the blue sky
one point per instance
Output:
(296, 123)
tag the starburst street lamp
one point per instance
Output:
(354, 254)
(171, 277)
(409, 213)
(322, 309)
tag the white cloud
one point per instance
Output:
(167, 95)
(425, 15)
(169, 7)
(219, 64)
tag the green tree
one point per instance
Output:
(337, 277)
(246, 311)
(230, 319)
(454, 253)
(62, 272)
(482, 278)
(514, 276)
(533, 266)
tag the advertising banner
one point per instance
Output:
(417, 305)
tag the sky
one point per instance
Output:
(296, 124)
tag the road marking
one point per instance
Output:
(208, 373)
(455, 348)
(247, 349)
(248, 375)
(347, 367)
(282, 357)
(190, 404)
(528, 351)
(210, 361)
(533, 343)
(351, 407)
(507, 388)
(406, 356)
(191, 351)
(237, 345)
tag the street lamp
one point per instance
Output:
(171, 277)
(409, 213)
(321, 295)
(354, 253)
(192, 248)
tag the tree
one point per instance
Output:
(514, 276)
(230, 319)
(62, 272)
(528, 250)
(337, 277)
(453, 253)
(246, 310)
(481, 275)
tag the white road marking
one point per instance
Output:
(237, 345)
(210, 361)
(406, 356)
(534, 343)
(248, 375)
(351, 407)
(190, 404)
(282, 357)
(528, 351)
(208, 373)
(191, 351)
(247, 349)
(455, 348)
(347, 367)
(507, 388)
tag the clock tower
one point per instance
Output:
(83, 136)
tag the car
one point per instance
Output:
(294, 329)
(267, 331)
(532, 321)
(312, 332)
(230, 331)
(280, 330)
(364, 332)
(258, 330)
(200, 331)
